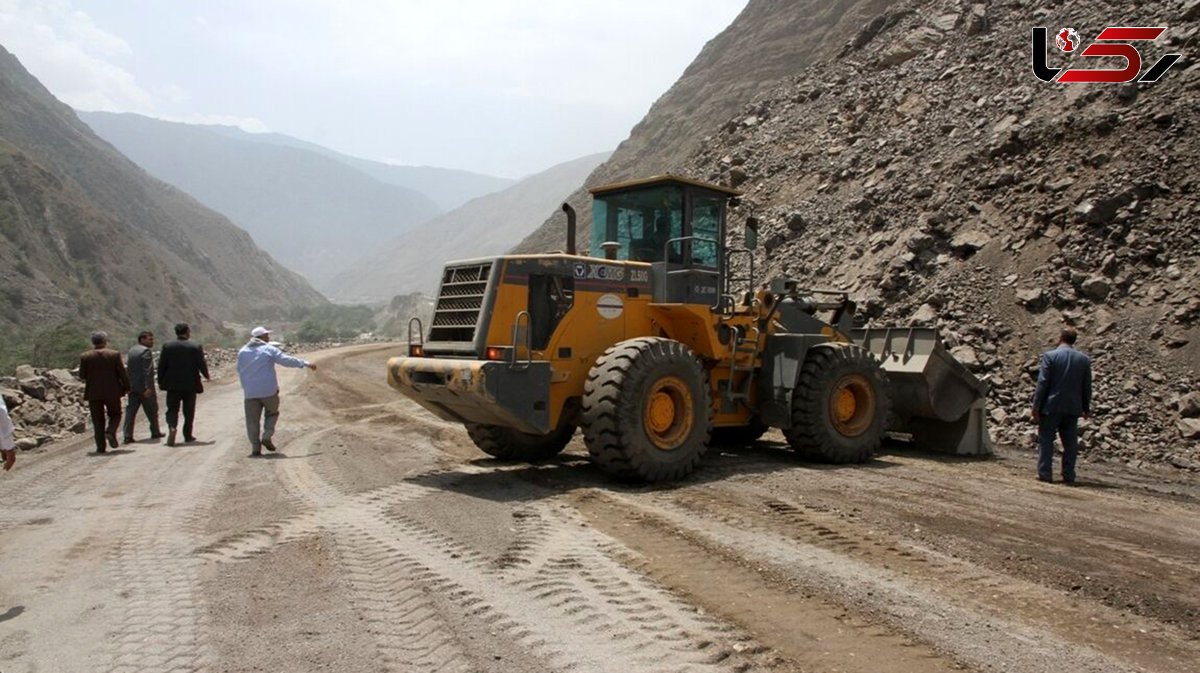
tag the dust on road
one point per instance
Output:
(382, 540)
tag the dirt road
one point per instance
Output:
(380, 539)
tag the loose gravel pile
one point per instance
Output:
(930, 173)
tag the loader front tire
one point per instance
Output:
(508, 444)
(839, 406)
(647, 414)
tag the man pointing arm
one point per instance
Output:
(256, 371)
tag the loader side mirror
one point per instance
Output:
(751, 233)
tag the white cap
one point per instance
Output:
(259, 331)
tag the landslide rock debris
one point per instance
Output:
(926, 170)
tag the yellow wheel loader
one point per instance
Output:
(657, 349)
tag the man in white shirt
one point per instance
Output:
(8, 447)
(256, 370)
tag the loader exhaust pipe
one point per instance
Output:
(566, 208)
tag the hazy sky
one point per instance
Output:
(505, 87)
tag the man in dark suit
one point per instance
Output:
(180, 366)
(139, 362)
(105, 383)
(1064, 393)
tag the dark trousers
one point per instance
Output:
(150, 404)
(261, 411)
(176, 399)
(1067, 429)
(100, 409)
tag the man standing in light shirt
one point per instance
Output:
(8, 448)
(256, 370)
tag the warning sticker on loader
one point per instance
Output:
(610, 306)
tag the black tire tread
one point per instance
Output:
(604, 417)
(508, 444)
(810, 435)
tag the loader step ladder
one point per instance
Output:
(744, 360)
(734, 284)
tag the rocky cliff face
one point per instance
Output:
(87, 235)
(916, 161)
(927, 170)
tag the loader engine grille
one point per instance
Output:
(456, 315)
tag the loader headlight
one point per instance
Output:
(416, 350)
(497, 353)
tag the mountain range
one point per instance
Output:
(87, 235)
(313, 212)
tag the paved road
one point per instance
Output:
(381, 540)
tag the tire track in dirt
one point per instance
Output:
(626, 622)
(815, 632)
(1142, 641)
(40, 481)
(1111, 545)
(154, 568)
(982, 641)
(612, 617)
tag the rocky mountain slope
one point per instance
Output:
(768, 42)
(87, 235)
(928, 171)
(488, 225)
(310, 211)
(449, 188)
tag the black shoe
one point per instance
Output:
(112, 440)
(268, 444)
(188, 439)
(157, 435)
(128, 439)
(101, 450)
(1045, 480)
(256, 454)
(171, 437)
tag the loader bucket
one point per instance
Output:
(934, 397)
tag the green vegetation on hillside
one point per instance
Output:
(332, 322)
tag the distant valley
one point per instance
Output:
(489, 225)
(313, 209)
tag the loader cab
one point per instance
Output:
(674, 224)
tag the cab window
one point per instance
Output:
(641, 221)
(706, 227)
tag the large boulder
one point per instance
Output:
(1033, 299)
(63, 378)
(1096, 288)
(966, 243)
(34, 387)
(12, 398)
(1189, 428)
(1189, 405)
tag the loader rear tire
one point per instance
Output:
(839, 406)
(508, 444)
(647, 414)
